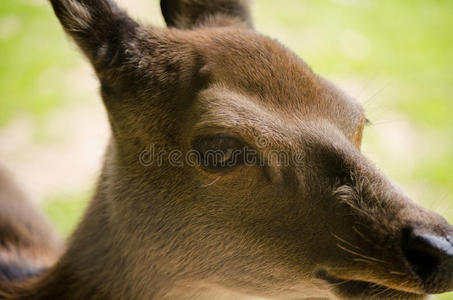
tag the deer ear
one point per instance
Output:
(99, 27)
(189, 14)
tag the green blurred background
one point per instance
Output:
(395, 56)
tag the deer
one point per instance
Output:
(243, 223)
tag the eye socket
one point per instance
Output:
(219, 152)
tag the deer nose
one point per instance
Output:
(431, 259)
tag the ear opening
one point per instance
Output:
(189, 14)
(99, 28)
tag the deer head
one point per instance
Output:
(259, 187)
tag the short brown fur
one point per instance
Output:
(330, 225)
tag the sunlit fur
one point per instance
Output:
(330, 227)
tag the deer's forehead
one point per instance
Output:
(221, 109)
(257, 80)
(274, 77)
(258, 65)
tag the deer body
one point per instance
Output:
(317, 220)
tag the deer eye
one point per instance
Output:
(218, 152)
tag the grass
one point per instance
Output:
(399, 54)
(34, 53)
(65, 209)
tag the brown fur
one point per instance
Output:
(333, 226)
(28, 244)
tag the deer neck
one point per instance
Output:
(101, 260)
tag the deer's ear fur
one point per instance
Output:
(99, 27)
(189, 14)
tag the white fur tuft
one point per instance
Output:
(77, 16)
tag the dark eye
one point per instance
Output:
(219, 152)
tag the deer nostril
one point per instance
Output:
(431, 258)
